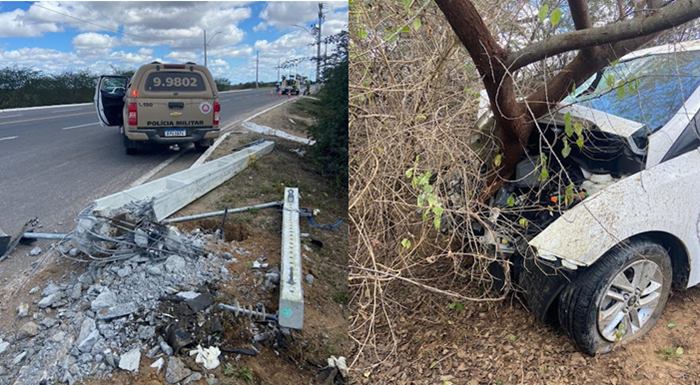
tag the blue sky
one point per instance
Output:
(57, 36)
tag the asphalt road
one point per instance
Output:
(54, 161)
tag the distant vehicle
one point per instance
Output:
(161, 103)
(608, 246)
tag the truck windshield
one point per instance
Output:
(648, 89)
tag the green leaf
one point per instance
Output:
(437, 223)
(566, 150)
(409, 173)
(555, 18)
(406, 243)
(416, 24)
(544, 174)
(579, 141)
(569, 194)
(511, 337)
(497, 160)
(510, 202)
(362, 34)
(405, 29)
(671, 325)
(610, 81)
(542, 14)
(420, 118)
(620, 92)
(679, 351)
(568, 127)
(407, 3)
(578, 128)
(523, 222)
(456, 306)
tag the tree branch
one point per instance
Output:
(674, 14)
(579, 12)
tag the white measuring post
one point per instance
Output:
(291, 306)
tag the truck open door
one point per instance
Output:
(110, 92)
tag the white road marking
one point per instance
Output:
(45, 118)
(45, 107)
(9, 138)
(80, 125)
(9, 116)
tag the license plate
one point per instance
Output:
(175, 132)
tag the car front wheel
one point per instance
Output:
(617, 299)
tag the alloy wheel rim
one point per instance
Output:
(630, 300)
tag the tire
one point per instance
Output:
(202, 145)
(130, 146)
(590, 306)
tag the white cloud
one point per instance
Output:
(17, 24)
(91, 42)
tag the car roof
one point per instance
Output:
(173, 66)
(684, 46)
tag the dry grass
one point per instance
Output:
(413, 106)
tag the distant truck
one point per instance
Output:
(161, 103)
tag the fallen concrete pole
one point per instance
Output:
(4, 242)
(278, 133)
(173, 192)
(291, 305)
(219, 213)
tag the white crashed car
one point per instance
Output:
(607, 255)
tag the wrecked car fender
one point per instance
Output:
(663, 198)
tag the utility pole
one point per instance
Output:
(257, 62)
(318, 42)
(205, 47)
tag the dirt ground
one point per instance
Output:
(504, 344)
(293, 118)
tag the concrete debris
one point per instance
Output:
(193, 378)
(340, 363)
(117, 311)
(35, 251)
(22, 310)
(176, 371)
(18, 358)
(309, 278)
(94, 318)
(50, 300)
(158, 364)
(130, 360)
(51, 288)
(29, 329)
(104, 300)
(88, 335)
(188, 294)
(209, 357)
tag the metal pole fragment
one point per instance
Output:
(33, 235)
(219, 213)
(291, 303)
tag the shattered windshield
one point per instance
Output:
(648, 90)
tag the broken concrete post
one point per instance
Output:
(173, 192)
(291, 305)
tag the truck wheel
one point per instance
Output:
(617, 299)
(202, 145)
(130, 146)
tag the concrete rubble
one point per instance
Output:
(107, 318)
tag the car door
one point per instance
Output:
(110, 92)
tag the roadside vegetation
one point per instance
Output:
(27, 87)
(421, 176)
